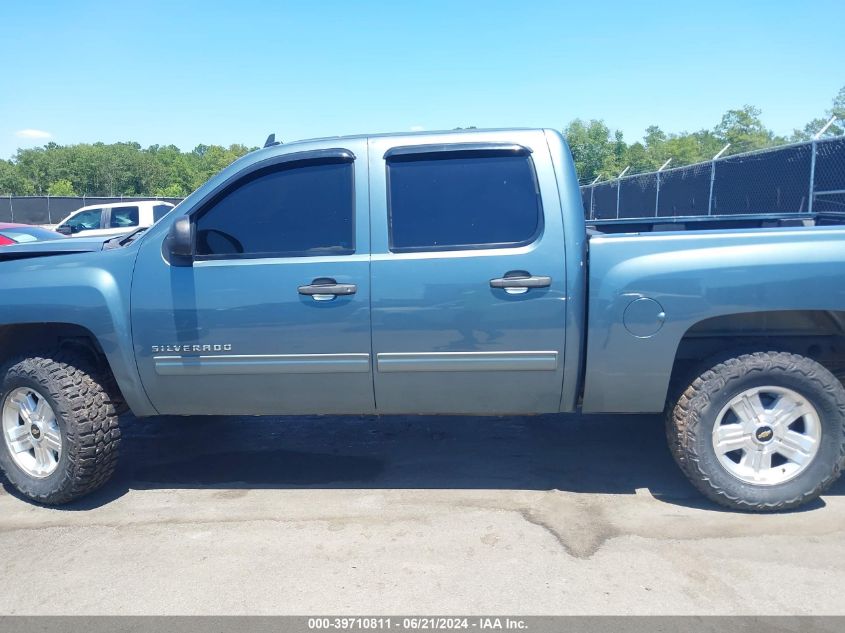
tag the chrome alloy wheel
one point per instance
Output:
(31, 432)
(767, 435)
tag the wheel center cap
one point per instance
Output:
(35, 432)
(764, 434)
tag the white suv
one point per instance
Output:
(114, 218)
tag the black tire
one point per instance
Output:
(691, 418)
(85, 404)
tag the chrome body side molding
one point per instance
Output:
(215, 365)
(467, 361)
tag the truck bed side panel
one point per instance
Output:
(693, 277)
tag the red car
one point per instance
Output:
(20, 233)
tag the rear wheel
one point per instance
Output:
(760, 432)
(60, 429)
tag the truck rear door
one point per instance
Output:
(468, 275)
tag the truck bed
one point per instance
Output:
(715, 222)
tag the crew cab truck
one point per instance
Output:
(422, 274)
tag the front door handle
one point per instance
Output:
(517, 282)
(326, 289)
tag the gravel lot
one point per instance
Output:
(397, 515)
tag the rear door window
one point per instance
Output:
(462, 200)
(123, 217)
(160, 210)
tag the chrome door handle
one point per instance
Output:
(326, 288)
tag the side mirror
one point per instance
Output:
(179, 243)
(64, 229)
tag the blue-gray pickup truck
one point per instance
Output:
(421, 274)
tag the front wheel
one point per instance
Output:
(60, 429)
(760, 432)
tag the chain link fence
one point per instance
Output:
(684, 191)
(799, 178)
(829, 177)
(54, 209)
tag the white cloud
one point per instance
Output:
(33, 134)
(417, 128)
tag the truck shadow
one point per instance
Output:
(582, 454)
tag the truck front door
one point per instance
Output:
(468, 276)
(273, 314)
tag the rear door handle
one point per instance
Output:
(520, 282)
(326, 289)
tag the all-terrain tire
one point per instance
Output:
(692, 416)
(85, 404)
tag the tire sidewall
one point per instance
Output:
(825, 461)
(34, 486)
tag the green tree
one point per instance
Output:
(12, 183)
(114, 169)
(61, 187)
(744, 130)
(597, 150)
(592, 148)
(813, 127)
(655, 143)
(838, 109)
(173, 190)
(697, 147)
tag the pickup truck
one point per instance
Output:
(424, 274)
(117, 218)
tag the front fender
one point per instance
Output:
(90, 290)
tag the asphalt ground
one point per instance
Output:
(412, 515)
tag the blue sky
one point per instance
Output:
(205, 72)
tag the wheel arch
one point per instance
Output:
(816, 334)
(628, 374)
(20, 339)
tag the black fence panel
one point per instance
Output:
(604, 200)
(770, 181)
(30, 210)
(637, 196)
(585, 200)
(830, 202)
(60, 208)
(684, 191)
(102, 201)
(5, 209)
(830, 165)
(773, 181)
(830, 176)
